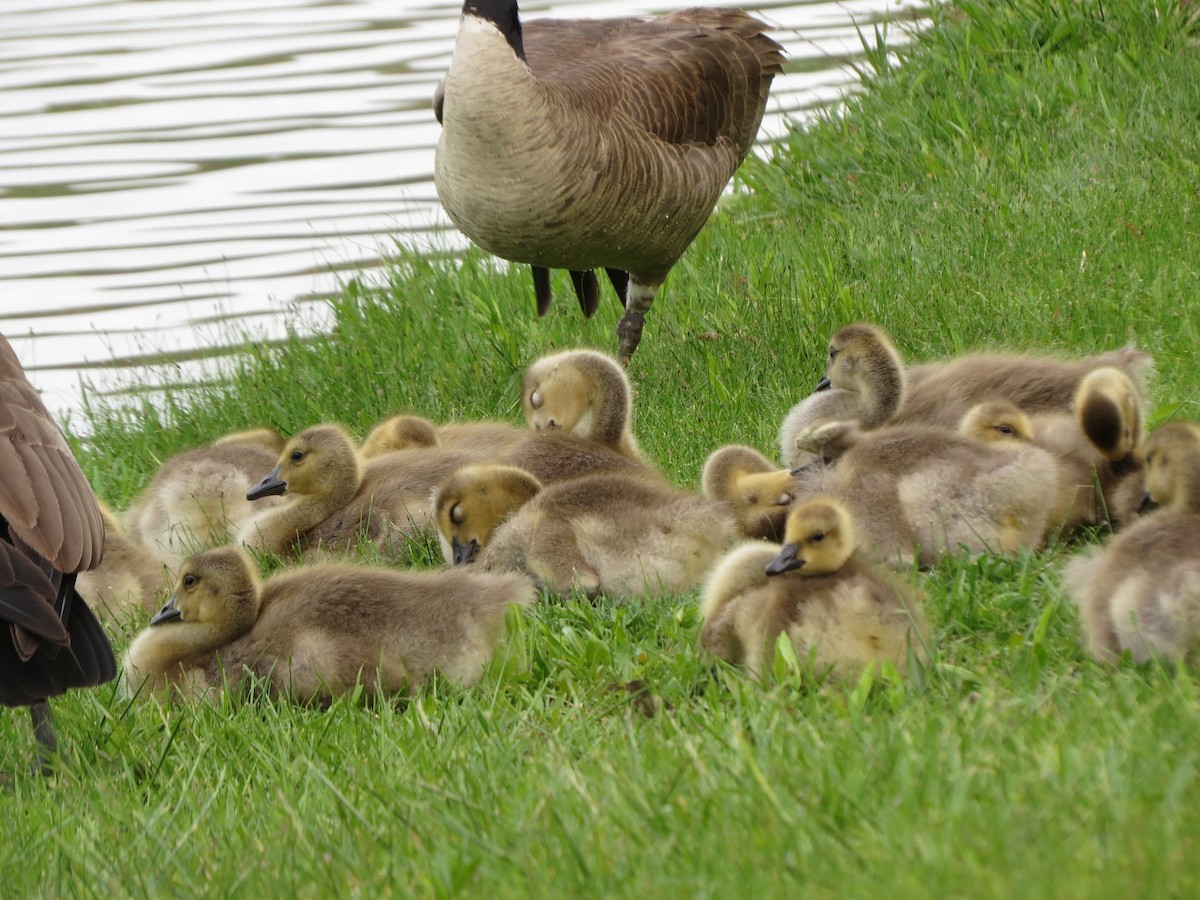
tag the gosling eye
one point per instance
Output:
(1005, 429)
(832, 354)
(817, 537)
(752, 499)
(190, 581)
(297, 455)
(456, 514)
(535, 399)
(1149, 458)
(783, 500)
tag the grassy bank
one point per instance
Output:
(1028, 178)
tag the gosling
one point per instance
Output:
(609, 534)
(864, 382)
(583, 393)
(1141, 592)
(834, 605)
(480, 441)
(318, 631)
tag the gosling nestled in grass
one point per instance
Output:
(317, 631)
(926, 490)
(129, 577)
(605, 534)
(833, 604)
(940, 393)
(1141, 591)
(583, 393)
(1099, 472)
(479, 440)
(599, 142)
(332, 500)
(864, 382)
(197, 499)
(758, 492)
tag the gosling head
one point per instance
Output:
(996, 421)
(1109, 411)
(572, 390)
(398, 433)
(862, 359)
(318, 462)
(217, 588)
(1173, 468)
(758, 492)
(473, 502)
(819, 539)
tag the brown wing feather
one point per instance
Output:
(44, 496)
(695, 76)
(50, 528)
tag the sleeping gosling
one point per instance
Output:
(583, 393)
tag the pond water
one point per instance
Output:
(173, 172)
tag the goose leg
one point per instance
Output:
(587, 290)
(620, 282)
(638, 299)
(43, 730)
(541, 289)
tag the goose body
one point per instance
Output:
(864, 382)
(332, 500)
(600, 143)
(1141, 591)
(197, 499)
(926, 487)
(941, 393)
(831, 601)
(605, 533)
(317, 631)
(479, 440)
(1099, 475)
(50, 530)
(129, 576)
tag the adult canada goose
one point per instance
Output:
(478, 440)
(864, 381)
(197, 499)
(317, 631)
(129, 576)
(333, 500)
(605, 533)
(832, 602)
(940, 393)
(1141, 592)
(583, 393)
(937, 490)
(597, 142)
(50, 530)
(759, 492)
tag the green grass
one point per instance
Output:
(1028, 178)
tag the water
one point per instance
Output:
(174, 171)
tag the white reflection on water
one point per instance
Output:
(173, 167)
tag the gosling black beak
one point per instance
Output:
(1147, 503)
(784, 562)
(824, 384)
(463, 553)
(270, 486)
(169, 613)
